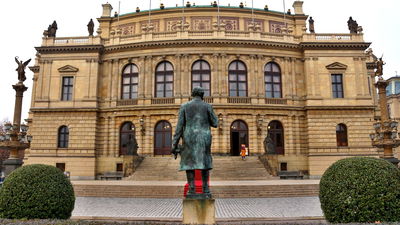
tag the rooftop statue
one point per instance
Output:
(90, 27)
(379, 67)
(353, 25)
(52, 30)
(21, 69)
(194, 122)
(311, 25)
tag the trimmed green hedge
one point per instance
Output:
(360, 189)
(36, 192)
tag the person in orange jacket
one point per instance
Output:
(243, 151)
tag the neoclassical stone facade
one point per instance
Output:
(264, 73)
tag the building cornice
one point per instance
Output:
(334, 45)
(69, 49)
(201, 43)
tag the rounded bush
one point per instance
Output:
(360, 189)
(36, 192)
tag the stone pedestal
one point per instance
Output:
(199, 211)
(11, 165)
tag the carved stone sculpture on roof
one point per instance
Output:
(90, 27)
(21, 69)
(352, 25)
(311, 25)
(52, 30)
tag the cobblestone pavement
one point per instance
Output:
(130, 208)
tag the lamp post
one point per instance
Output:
(15, 138)
(386, 134)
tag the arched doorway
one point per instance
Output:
(162, 138)
(275, 130)
(126, 135)
(239, 136)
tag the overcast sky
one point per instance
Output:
(23, 23)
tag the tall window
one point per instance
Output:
(201, 76)
(67, 87)
(237, 79)
(130, 82)
(63, 137)
(127, 139)
(337, 85)
(164, 80)
(272, 79)
(341, 135)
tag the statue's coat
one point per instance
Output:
(195, 119)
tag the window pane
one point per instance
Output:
(134, 69)
(196, 77)
(205, 66)
(268, 87)
(168, 139)
(160, 87)
(134, 95)
(277, 87)
(241, 66)
(242, 86)
(339, 88)
(127, 70)
(232, 66)
(125, 89)
(125, 96)
(169, 78)
(275, 68)
(160, 67)
(160, 78)
(168, 87)
(232, 93)
(168, 67)
(158, 140)
(268, 78)
(126, 80)
(232, 86)
(268, 94)
(196, 66)
(160, 94)
(206, 77)
(168, 94)
(277, 94)
(206, 92)
(134, 88)
(205, 85)
(242, 77)
(232, 77)
(277, 79)
(242, 93)
(135, 80)
(268, 67)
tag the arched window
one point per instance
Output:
(201, 76)
(127, 138)
(164, 80)
(63, 137)
(275, 131)
(341, 135)
(130, 77)
(273, 81)
(162, 138)
(237, 79)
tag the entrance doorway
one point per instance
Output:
(275, 130)
(162, 138)
(239, 136)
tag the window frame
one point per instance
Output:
(342, 139)
(131, 75)
(237, 72)
(272, 82)
(63, 137)
(202, 72)
(335, 84)
(67, 89)
(164, 73)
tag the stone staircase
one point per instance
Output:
(226, 168)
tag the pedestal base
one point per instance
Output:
(11, 165)
(199, 211)
(393, 160)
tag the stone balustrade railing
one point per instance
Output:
(118, 39)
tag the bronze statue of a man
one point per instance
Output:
(21, 69)
(194, 122)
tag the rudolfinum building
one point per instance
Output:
(263, 71)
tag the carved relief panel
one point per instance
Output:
(201, 23)
(170, 23)
(258, 22)
(155, 23)
(231, 23)
(127, 29)
(276, 27)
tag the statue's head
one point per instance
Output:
(198, 91)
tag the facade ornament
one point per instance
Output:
(90, 27)
(379, 67)
(21, 69)
(311, 25)
(52, 29)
